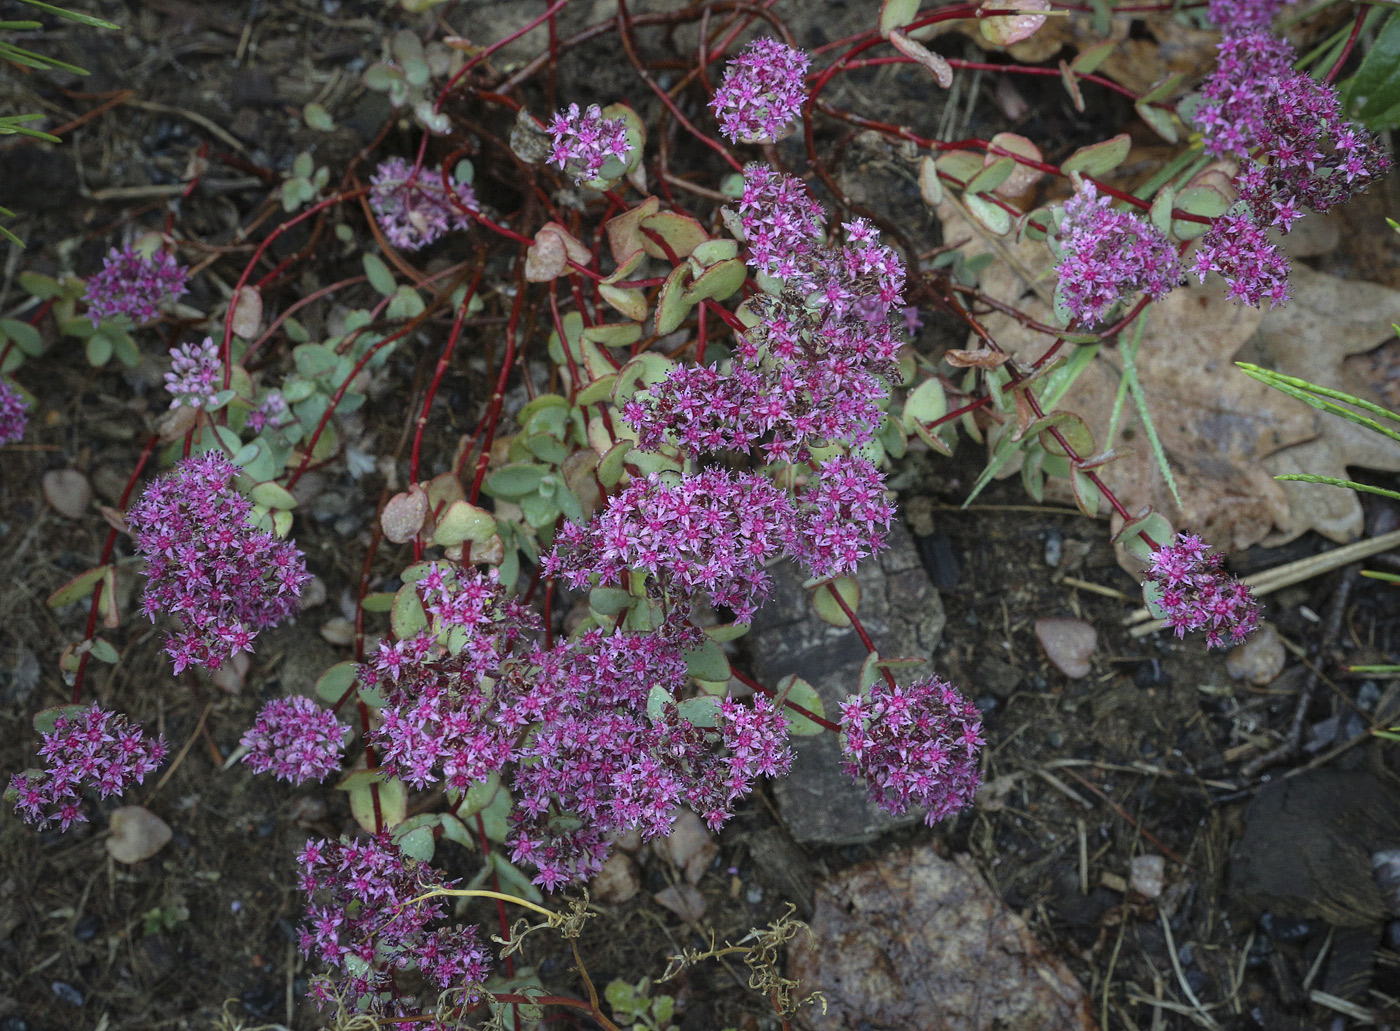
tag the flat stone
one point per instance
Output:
(903, 614)
(914, 941)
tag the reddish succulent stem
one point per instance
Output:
(624, 19)
(749, 681)
(1361, 14)
(493, 412)
(477, 58)
(107, 549)
(227, 346)
(859, 629)
(296, 306)
(444, 360)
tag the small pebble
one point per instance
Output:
(1055, 739)
(68, 993)
(67, 491)
(683, 900)
(137, 834)
(1054, 548)
(86, 929)
(754, 894)
(986, 703)
(941, 562)
(1368, 695)
(1068, 643)
(1259, 660)
(1285, 928)
(1146, 875)
(338, 630)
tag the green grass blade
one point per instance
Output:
(1278, 379)
(81, 19)
(1135, 388)
(29, 59)
(1332, 481)
(1376, 574)
(1309, 393)
(1122, 394)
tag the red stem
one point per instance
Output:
(107, 549)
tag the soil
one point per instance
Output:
(1144, 756)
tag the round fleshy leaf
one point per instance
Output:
(800, 693)
(404, 515)
(1022, 177)
(1006, 29)
(828, 609)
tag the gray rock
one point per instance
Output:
(903, 614)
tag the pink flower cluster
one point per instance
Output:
(223, 579)
(762, 91)
(14, 414)
(914, 745)
(710, 532)
(296, 740)
(134, 284)
(412, 206)
(1242, 15)
(1251, 264)
(602, 757)
(584, 141)
(90, 748)
(363, 922)
(196, 374)
(783, 225)
(272, 412)
(1109, 255)
(1295, 151)
(568, 726)
(814, 369)
(843, 516)
(1197, 594)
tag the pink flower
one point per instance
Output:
(583, 142)
(710, 532)
(133, 284)
(412, 207)
(1236, 15)
(1294, 148)
(363, 922)
(1251, 264)
(14, 414)
(87, 749)
(206, 565)
(1196, 594)
(1109, 255)
(272, 412)
(196, 374)
(914, 745)
(296, 740)
(762, 92)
